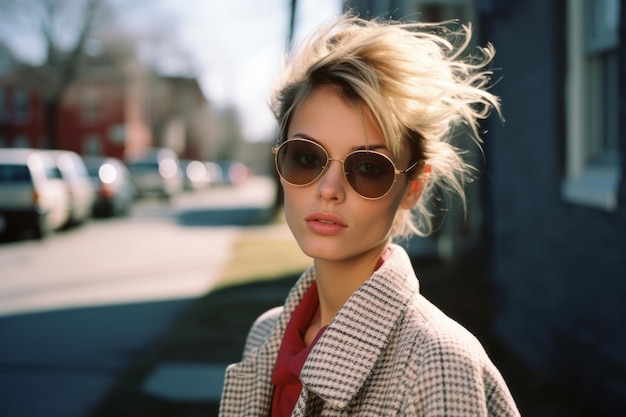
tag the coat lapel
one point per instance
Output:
(341, 361)
(253, 375)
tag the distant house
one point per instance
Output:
(106, 110)
(114, 107)
(554, 186)
(103, 112)
(183, 119)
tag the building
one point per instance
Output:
(183, 119)
(106, 110)
(115, 106)
(557, 195)
(554, 205)
(21, 108)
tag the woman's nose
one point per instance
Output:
(332, 184)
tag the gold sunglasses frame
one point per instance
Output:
(396, 171)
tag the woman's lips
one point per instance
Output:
(325, 224)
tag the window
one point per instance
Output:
(10, 173)
(592, 159)
(20, 106)
(92, 145)
(21, 141)
(117, 133)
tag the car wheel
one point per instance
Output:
(41, 228)
(109, 211)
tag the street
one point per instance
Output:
(77, 308)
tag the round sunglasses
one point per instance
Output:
(371, 174)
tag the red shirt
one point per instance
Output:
(293, 351)
(292, 355)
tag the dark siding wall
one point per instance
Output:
(559, 269)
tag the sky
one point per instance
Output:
(236, 47)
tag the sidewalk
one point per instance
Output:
(183, 374)
(202, 382)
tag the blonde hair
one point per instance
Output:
(413, 80)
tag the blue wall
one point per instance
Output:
(559, 269)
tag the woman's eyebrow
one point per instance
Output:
(356, 148)
(303, 136)
(370, 147)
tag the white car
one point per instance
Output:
(157, 172)
(81, 189)
(33, 196)
(115, 191)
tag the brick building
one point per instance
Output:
(114, 107)
(554, 206)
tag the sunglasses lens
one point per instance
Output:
(300, 162)
(370, 174)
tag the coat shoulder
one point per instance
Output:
(262, 329)
(444, 353)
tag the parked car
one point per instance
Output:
(82, 193)
(195, 174)
(228, 173)
(33, 195)
(115, 191)
(157, 172)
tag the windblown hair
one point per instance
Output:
(416, 84)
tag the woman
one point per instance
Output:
(365, 112)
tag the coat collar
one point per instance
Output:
(344, 356)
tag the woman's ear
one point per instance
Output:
(415, 190)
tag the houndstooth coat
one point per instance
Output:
(388, 352)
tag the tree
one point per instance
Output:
(65, 28)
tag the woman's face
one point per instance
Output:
(328, 218)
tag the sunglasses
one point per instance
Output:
(371, 174)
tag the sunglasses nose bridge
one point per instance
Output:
(329, 160)
(327, 167)
(333, 181)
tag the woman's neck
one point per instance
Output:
(337, 280)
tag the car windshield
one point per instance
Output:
(14, 174)
(92, 168)
(143, 166)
